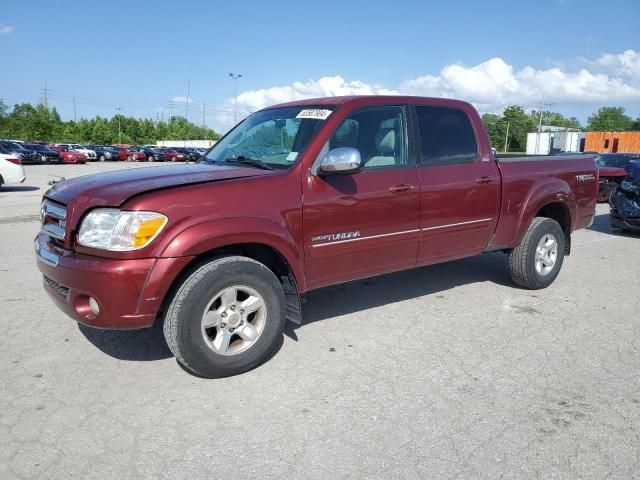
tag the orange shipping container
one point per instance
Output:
(612, 142)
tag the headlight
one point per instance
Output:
(116, 230)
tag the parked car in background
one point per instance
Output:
(171, 155)
(11, 170)
(153, 153)
(24, 154)
(44, 154)
(91, 154)
(608, 179)
(217, 250)
(624, 203)
(130, 154)
(190, 154)
(104, 152)
(611, 171)
(617, 160)
(69, 155)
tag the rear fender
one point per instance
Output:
(207, 236)
(556, 191)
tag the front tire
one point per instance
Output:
(537, 261)
(226, 318)
(102, 158)
(151, 158)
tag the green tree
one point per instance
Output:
(28, 122)
(496, 127)
(101, 134)
(610, 119)
(556, 119)
(519, 125)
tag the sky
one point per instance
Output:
(144, 57)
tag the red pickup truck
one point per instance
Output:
(296, 197)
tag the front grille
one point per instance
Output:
(60, 289)
(54, 219)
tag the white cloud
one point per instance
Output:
(182, 100)
(494, 84)
(610, 79)
(5, 29)
(324, 87)
(626, 64)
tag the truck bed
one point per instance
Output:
(572, 179)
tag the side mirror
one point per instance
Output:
(340, 160)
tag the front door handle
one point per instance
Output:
(485, 180)
(401, 188)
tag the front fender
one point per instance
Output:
(555, 191)
(203, 237)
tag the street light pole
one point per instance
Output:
(187, 108)
(235, 77)
(506, 139)
(119, 132)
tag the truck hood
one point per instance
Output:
(113, 188)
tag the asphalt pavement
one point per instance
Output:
(442, 372)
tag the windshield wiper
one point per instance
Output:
(249, 161)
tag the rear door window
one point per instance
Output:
(446, 136)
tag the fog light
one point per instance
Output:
(93, 305)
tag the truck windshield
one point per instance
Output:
(275, 137)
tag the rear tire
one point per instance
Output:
(194, 344)
(537, 261)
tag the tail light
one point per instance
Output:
(15, 161)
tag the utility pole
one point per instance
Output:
(235, 77)
(542, 105)
(74, 110)
(187, 108)
(203, 123)
(506, 139)
(170, 111)
(119, 131)
(45, 95)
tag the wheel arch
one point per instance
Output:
(553, 200)
(559, 211)
(259, 239)
(263, 253)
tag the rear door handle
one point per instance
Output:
(485, 180)
(400, 188)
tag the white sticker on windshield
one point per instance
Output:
(316, 113)
(292, 156)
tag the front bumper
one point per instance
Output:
(129, 293)
(624, 210)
